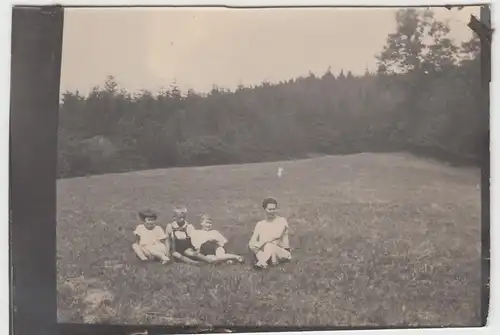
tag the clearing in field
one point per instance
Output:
(377, 239)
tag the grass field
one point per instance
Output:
(377, 240)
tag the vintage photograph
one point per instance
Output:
(298, 167)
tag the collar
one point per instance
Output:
(175, 225)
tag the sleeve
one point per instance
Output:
(138, 230)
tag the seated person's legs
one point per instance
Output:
(272, 254)
(178, 256)
(255, 252)
(182, 253)
(283, 254)
(141, 252)
(196, 254)
(222, 255)
(159, 251)
(216, 253)
(265, 254)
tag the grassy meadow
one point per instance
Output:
(377, 240)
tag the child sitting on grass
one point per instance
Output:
(150, 239)
(179, 239)
(210, 243)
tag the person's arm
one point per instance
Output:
(283, 235)
(137, 234)
(160, 234)
(169, 242)
(285, 242)
(254, 240)
(189, 230)
(168, 246)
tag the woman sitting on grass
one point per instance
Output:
(151, 238)
(269, 241)
(179, 239)
(210, 243)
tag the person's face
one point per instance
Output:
(206, 224)
(180, 217)
(271, 210)
(149, 223)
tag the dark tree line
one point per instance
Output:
(424, 98)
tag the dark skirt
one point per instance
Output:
(209, 248)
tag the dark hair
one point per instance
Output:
(268, 201)
(143, 215)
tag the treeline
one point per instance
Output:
(431, 108)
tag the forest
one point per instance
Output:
(425, 98)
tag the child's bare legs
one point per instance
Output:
(150, 252)
(183, 258)
(140, 252)
(159, 251)
(228, 257)
(221, 255)
(197, 255)
(274, 258)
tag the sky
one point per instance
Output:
(150, 48)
